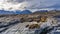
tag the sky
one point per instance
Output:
(29, 4)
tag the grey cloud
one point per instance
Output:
(41, 3)
(34, 4)
(13, 1)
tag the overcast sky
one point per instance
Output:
(29, 4)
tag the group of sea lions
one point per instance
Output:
(33, 26)
(43, 19)
(36, 25)
(37, 19)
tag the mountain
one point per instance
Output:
(40, 12)
(6, 12)
(18, 12)
(43, 10)
(26, 12)
(15, 12)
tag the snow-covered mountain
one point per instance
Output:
(15, 12)
(26, 12)
(6, 12)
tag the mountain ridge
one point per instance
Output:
(15, 12)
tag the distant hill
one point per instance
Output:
(40, 12)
